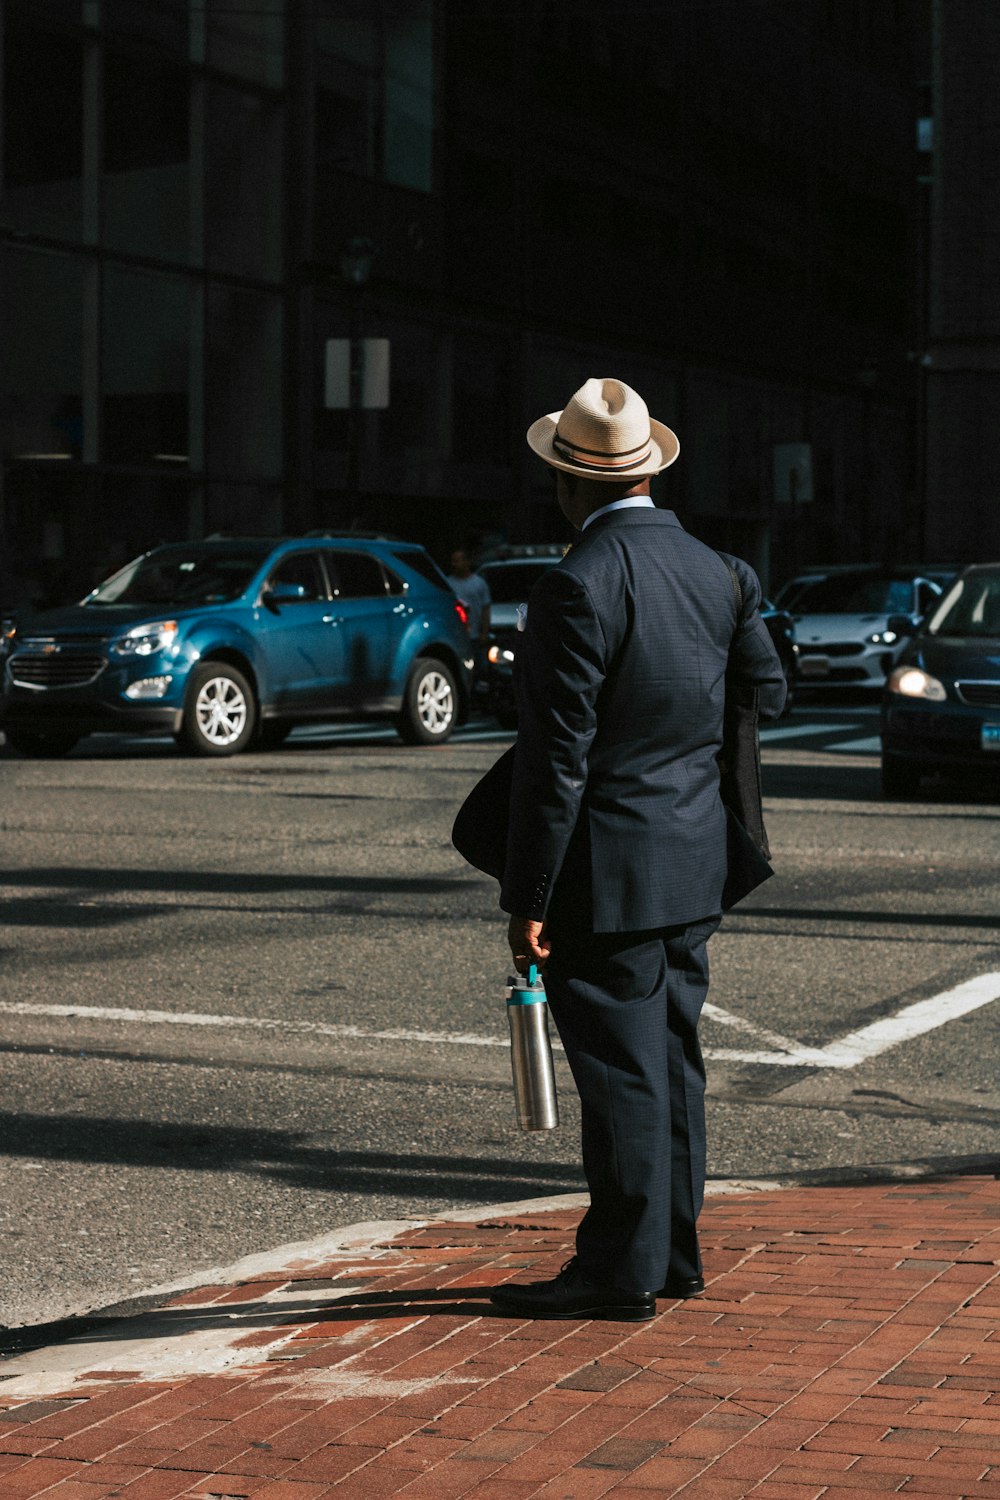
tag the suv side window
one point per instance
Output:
(355, 575)
(302, 568)
(394, 584)
(927, 596)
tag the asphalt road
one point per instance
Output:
(244, 1002)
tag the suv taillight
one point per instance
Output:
(462, 612)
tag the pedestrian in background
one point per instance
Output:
(618, 841)
(474, 592)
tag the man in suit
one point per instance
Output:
(617, 844)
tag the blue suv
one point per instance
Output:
(230, 643)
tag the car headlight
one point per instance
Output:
(8, 633)
(145, 640)
(914, 682)
(883, 638)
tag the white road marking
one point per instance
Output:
(740, 1023)
(252, 1023)
(797, 731)
(870, 746)
(912, 1021)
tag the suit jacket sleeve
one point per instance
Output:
(561, 665)
(753, 661)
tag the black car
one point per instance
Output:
(941, 704)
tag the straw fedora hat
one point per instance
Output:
(605, 432)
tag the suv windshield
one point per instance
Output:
(181, 575)
(855, 594)
(511, 583)
(970, 607)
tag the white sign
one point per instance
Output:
(373, 365)
(793, 473)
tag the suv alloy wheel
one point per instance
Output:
(429, 703)
(220, 713)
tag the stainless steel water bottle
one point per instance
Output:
(531, 1052)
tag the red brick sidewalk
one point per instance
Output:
(848, 1344)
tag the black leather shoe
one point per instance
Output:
(571, 1295)
(678, 1288)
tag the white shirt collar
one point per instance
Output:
(631, 501)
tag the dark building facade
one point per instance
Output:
(714, 202)
(961, 359)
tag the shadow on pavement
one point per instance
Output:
(851, 782)
(282, 1154)
(242, 1318)
(867, 918)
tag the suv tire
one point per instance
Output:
(430, 703)
(220, 714)
(42, 744)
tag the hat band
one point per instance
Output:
(590, 458)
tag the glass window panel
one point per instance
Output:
(354, 576)
(409, 95)
(41, 355)
(146, 192)
(243, 178)
(146, 357)
(243, 383)
(348, 49)
(42, 131)
(302, 570)
(163, 22)
(375, 90)
(247, 41)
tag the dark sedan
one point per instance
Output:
(941, 705)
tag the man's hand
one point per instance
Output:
(528, 943)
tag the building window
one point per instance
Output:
(146, 367)
(164, 23)
(243, 177)
(246, 40)
(42, 131)
(375, 101)
(243, 392)
(41, 356)
(146, 188)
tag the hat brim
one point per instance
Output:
(664, 448)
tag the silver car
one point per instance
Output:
(842, 621)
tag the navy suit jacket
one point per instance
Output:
(621, 686)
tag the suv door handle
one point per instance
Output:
(333, 619)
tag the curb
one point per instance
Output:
(369, 1236)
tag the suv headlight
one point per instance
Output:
(145, 640)
(914, 682)
(8, 633)
(883, 638)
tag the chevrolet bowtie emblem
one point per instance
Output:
(48, 650)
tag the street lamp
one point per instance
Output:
(356, 260)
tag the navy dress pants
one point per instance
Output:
(627, 1005)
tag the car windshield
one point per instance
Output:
(970, 607)
(511, 583)
(855, 594)
(180, 575)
